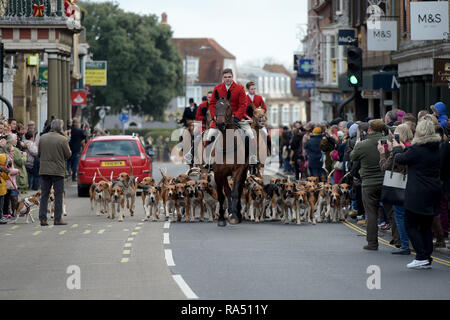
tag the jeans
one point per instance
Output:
(72, 164)
(418, 227)
(399, 212)
(33, 180)
(58, 184)
(1, 206)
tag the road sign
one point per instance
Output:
(102, 113)
(305, 82)
(95, 73)
(124, 117)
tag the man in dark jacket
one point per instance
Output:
(189, 112)
(76, 143)
(53, 150)
(372, 179)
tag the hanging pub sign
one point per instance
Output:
(441, 74)
(429, 20)
(383, 37)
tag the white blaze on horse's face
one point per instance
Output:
(228, 79)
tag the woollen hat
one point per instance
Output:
(317, 130)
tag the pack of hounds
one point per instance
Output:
(193, 195)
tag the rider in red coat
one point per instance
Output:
(252, 98)
(238, 100)
(201, 112)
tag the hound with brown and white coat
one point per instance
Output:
(100, 196)
(210, 198)
(51, 203)
(257, 207)
(129, 190)
(323, 203)
(302, 206)
(151, 203)
(195, 199)
(117, 201)
(288, 200)
(24, 207)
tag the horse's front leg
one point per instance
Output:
(221, 222)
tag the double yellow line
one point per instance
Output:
(362, 231)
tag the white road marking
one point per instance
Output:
(87, 232)
(36, 233)
(14, 228)
(124, 260)
(74, 226)
(62, 232)
(166, 239)
(126, 252)
(127, 245)
(169, 258)
(184, 287)
(101, 231)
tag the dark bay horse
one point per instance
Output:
(238, 171)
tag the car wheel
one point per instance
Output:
(83, 191)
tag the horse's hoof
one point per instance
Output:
(221, 223)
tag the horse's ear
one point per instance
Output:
(216, 94)
(228, 95)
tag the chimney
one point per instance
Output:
(164, 18)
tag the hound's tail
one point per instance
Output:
(131, 166)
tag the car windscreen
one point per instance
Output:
(114, 148)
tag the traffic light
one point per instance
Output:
(354, 67)
(2, 58)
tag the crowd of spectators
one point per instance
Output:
(359, 153)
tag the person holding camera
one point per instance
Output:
(404, 135)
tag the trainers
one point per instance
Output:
(385, 227)
(3, 220)
(8, 216)
(419, 264)
(59, 223)
(381, 224)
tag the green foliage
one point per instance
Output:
(145, 69)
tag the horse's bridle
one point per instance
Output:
(227, 115)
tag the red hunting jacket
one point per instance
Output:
(257, 102)
(238, 101)
(199, 116)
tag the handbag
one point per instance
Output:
(394, 187)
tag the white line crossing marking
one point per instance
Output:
(166, 238)
(184, 287)
(36, 233)
(87, 232)
(101, 231)
(169, 258)
(62, 232)
(130, 239)
(14, 228)
(124, 260)
(74, 226)
(51, 227)
(137, 228)
(126, 252)
(127, 245)
(134, 233)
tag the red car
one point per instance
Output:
(112, 154)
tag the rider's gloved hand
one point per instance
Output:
(236, 120)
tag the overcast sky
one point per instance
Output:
(252, 30)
